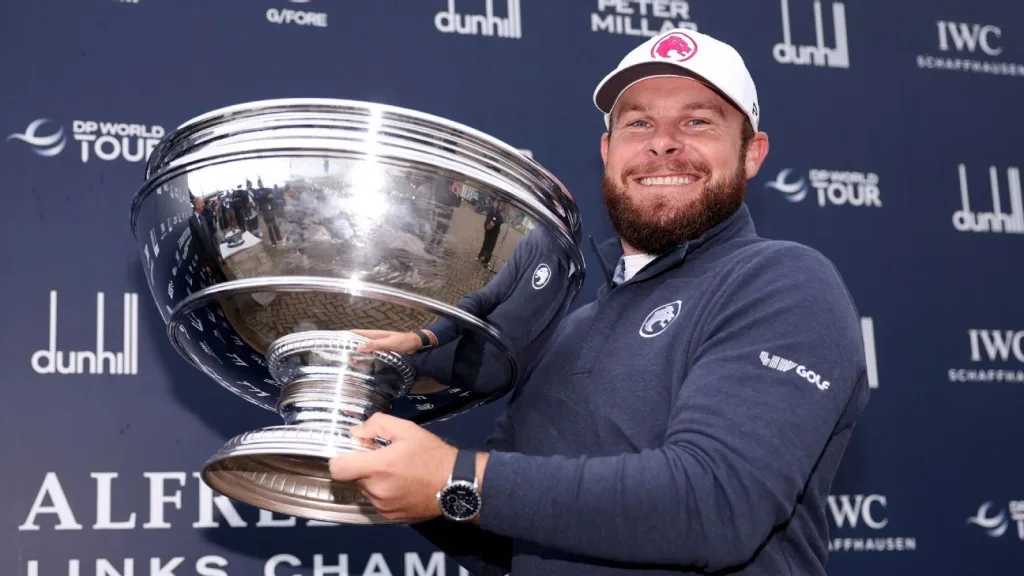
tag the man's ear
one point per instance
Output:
(757, 150)
(604, 147)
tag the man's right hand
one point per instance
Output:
(386, 340)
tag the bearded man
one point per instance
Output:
(691, 419)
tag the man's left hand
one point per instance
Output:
(402, 479)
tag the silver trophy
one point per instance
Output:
(269, 231)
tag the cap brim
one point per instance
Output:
(613, 86)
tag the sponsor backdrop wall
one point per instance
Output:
(895, 151)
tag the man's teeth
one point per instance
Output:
(668, 181)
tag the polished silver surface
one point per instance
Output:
(269, 231)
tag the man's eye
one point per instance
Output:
(638, 123)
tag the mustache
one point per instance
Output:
(635, 170)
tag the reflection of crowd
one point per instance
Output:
(429, 221)
(303, 211)
(229, 214)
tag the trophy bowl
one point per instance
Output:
(269, 231)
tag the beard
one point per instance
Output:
(654, 224)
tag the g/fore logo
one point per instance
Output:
(297, 17)
(100, 360)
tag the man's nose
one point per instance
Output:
(666, 141)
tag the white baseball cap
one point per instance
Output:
(688, 54)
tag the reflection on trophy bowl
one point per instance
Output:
(270, 231)
(234, 240)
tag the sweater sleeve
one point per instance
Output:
(479, 303)
(482, 553)
(779, 357)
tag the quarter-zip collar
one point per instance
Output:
(737, 225)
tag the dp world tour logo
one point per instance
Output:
(793, 191)
(994, 526)
(44, 145)
(675, 46)
(659, 319)
(102, 140)
(541, 276)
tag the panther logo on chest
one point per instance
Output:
(659, 319)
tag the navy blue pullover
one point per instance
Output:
(525, 301)
(687, 421)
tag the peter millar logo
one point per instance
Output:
(969, 47)
(487, 24)
(675, 46)
(996, 524)
(541, 276)
(659, 319)
(297, 17)
(996, 221)
(786, 52)
(51, 360)
(833, 187)
(106, 141)
(1003, 348)
(641, 17)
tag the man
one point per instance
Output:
(447, 198)
(206, 247)
(691, 419)
(265, 202)
(493, 220)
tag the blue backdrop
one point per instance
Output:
(895, 130)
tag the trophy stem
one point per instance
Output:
(347, 403)
(326, 389)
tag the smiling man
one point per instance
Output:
(691, 419)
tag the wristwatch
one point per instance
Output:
(460, 499)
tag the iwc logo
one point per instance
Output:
(659, 319)
(541, 276)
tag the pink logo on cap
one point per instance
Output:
(675, 46)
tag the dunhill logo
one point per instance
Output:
(818, 55)
(98, 361)
(996, 221)
(451, 22)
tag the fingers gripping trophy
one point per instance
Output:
(280, 237)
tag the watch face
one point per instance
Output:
(460, 501)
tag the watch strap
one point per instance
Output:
(465, 466)
(424, 339)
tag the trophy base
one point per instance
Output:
(284, 469)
